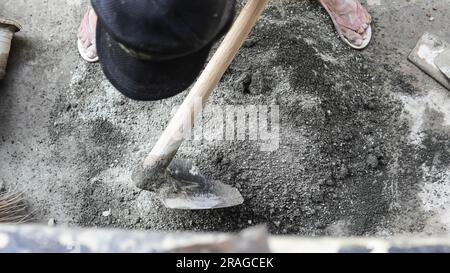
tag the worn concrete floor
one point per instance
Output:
(69, 140)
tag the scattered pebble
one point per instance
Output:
(106, 213)
(372, 161)
(250, 43)
(258, 84)
(342, 173)
(317, 197)
(330, 182)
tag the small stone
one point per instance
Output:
(347, 137)
(250, 43)
(244, 176)
(330, 182)
(225, 161)
(51, 222)
(372, 161)
(321, 225)
(342, 173)
(258, 84)
(317, 197)
(106, 213)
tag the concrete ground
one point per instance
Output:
(364, 136)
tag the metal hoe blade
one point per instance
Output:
(443, 62)
(189, 190)
(425, 55)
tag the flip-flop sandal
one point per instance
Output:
(338, 24)
(81, 49)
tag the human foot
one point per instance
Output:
(352, 21)
(86, 36)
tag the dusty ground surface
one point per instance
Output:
(364, 146)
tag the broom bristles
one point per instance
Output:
(12, 208)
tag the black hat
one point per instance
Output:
(154, 49)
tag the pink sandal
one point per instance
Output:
(337, 21)
(87, 23)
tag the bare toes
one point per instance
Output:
(91, 51)
(354, 37)
(361, 30)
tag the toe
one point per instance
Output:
(365, 35)
(361, 30)
(358, 42)
(91, 52)
(354, 37)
